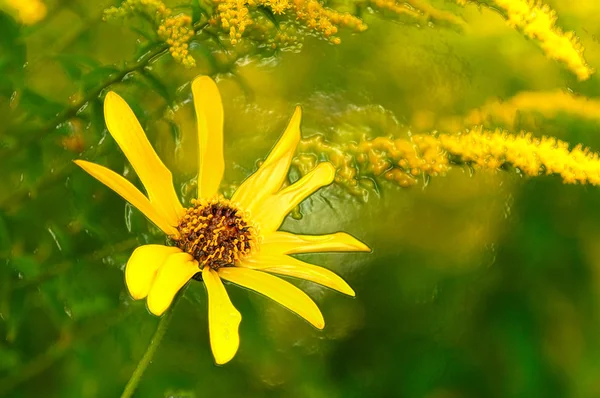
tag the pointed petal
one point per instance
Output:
(286, 265)
(157, 179)
(209, 116)
(128, 192)
(271, 174)
(288, 243)
(223, 319)
(276, 289)
(141, 268)
(176, 271)
(269, 214)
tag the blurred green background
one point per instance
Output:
(480, 284)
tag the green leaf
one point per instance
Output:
(5, 238)
(26, 266)
(97, 77)
(147, 79)
(199, 46)
(76, 65)
(84, 307)
(13, 55)
(35, 164)
(96, 109)
(54, 295)
(269, 15)
(150, 36)
(197, 11)
(9, 359)
(38, 105)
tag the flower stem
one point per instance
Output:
(161, 329)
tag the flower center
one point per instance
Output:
(215, 233)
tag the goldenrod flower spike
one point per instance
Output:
(538, 21)
(406, 161)
(215, 238)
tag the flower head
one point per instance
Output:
(234, 239)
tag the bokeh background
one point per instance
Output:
(481, 283)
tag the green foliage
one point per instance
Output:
(12, 55)
(480, 285)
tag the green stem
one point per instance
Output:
(161, 329)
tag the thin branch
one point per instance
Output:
(72, 111)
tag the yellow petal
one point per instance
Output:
(287, 243)
(209, 116)
(271, 174)
(286, 265)
(276, 289)
(269, 214)
(223, 319)
(128, 192)
(157, 179)
(176, 271)
(141, 268)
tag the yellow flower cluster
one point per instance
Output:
(285, 36)
(537, 21)
(418, 9)
(156, 9)
(526, 104)
(405, 160)
(547, 103)
(234, 16)
(533, 156)
(27, 12)
(395, 7)
(176, 30)
(400, 160)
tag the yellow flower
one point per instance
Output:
(234, 239)
(27, 12)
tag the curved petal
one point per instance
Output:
(286, 265)
(276, 289)
(141, 268)
(223, 319)
(157, 179)
(128, 192)
(288, 243)
(271, 174)
(176, 271)
(209, 117)
(269, 214)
